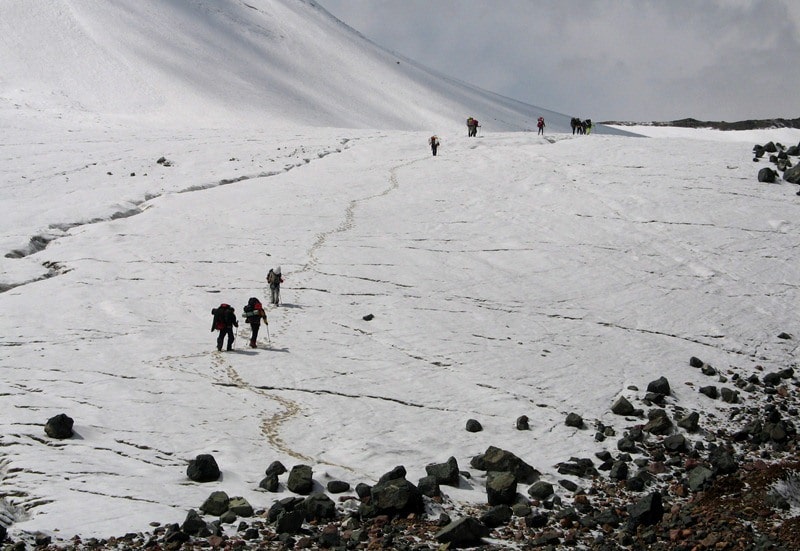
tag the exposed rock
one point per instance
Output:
(240, 506)
(711, 391)
(699, 477)
(300, 480)
(269, 483)
(445, 473)
(792, 175)
(501, 488)
(429, 486)
(194, 525)
(647, 511)
(767, 175)
(574, 420)
(465, 532)
(396, 473)
(690, 422)
(495, 459)
(59, 426)
(275, 468)
(696, 362)
(319, 506)
(203, 468)
(474, 426)
(337, 486)
(523, 423)
(659, 386)
(396, 496)
(496, 516)
(215, 504)
(622, 406)
(540, 490)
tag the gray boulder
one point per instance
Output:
(767, 175)
(646, 512)
(445, 473)
(699, 477)
(269, 483)
(300, 480)
(495, 459)
(540, 490)
(792, 175)
(474, 426)
(240, 506)
(194, 525)
(429, 486)
(496, 516)
(501, 488)
(203, 468)
(275, 468)
(622, 406)
(690, 422)
(215, 504)
(59, 426)
(396, 497)
(337, 486)
(465, 532)
(319, 506)
(659, 386)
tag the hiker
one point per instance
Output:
(433, 141)
(588, 128)
(540, 126)
(472, 127)
(224, 322)
(253, 314)
(275, 279)
(575, 123)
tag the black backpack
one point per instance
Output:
(219, 314)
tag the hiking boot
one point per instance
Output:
(253, 344)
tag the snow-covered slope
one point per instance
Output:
(257, 63)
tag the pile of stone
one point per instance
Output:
(780, 156)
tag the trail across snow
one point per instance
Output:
(511, 275)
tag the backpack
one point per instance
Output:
(219, 315)
(271, 276)
(252, 307)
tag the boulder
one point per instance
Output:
(394, 474)
(465, 532)
(495, 459)
(429, 486)
(501, 488)
(646, 512)
(269, 483)
(194, 525)
(59, 426)
(300, 480)
(319, 506)
(203, 468)
(337, 486)
(240, 506)
(275, 468)
(699, 477)
(523, 423)
(473, 426)
(574, 420)
(659, 386)
(215, 504)
(767, 175)
(792, 175)
(290, 522)
(541, 490)
(445, 473)
(396, 497)
(622, 406)
(690, 422)
(496, 516)
(710, 391)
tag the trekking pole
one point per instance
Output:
(269, 341)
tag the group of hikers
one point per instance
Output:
(580, 126)
(472, 131)
(225, 315)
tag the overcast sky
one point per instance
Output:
(637, 60)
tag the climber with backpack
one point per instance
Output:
(540, 126)
(253, 314)
(275, 279)
(224, 322)
(433, 141)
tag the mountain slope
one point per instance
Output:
(262, 63)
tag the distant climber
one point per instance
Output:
(253, 314)
(433, 141)
(540, 126)
(587, 126)
(575, 123)
(472, 127)
(275, 279)
(224, 322)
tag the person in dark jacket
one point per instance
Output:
(224, 322)
(433, 141)
(253, 314)
(275, 279)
